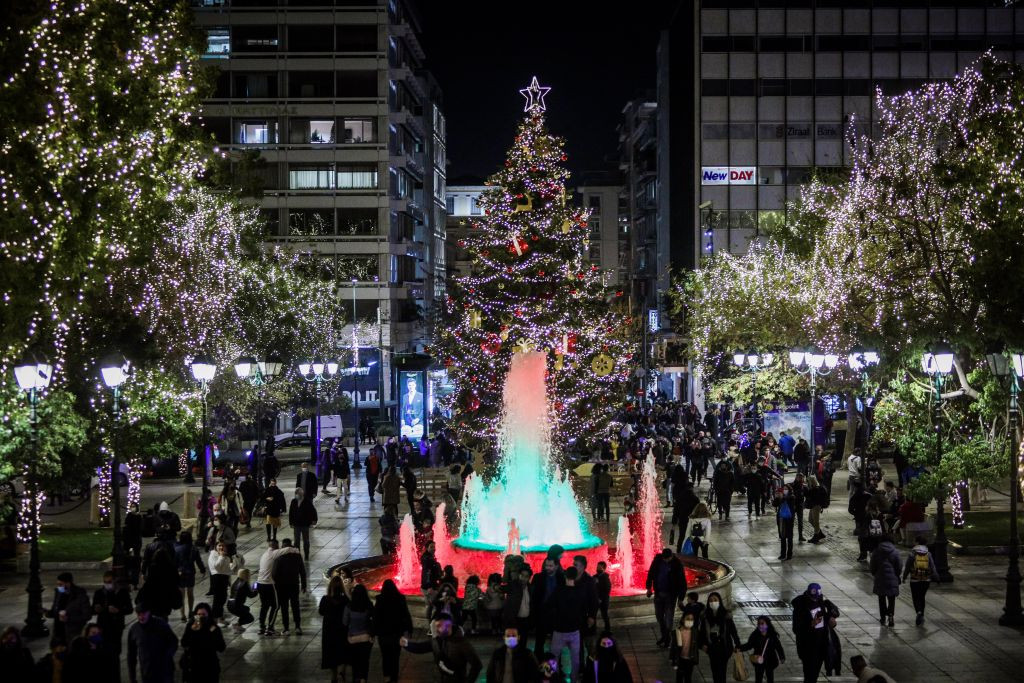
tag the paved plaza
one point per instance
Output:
(960, 641)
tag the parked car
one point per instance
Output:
(330, 428)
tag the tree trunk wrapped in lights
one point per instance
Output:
(532, 288)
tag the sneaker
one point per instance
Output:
(270, 632)
(881, 620)
(920, 618)
(298, 631)
(262, 631)
(286, 632)
(891, 624)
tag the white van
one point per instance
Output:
(330, 428)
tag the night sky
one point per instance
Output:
(594, 56)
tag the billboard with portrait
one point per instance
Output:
(412, 405)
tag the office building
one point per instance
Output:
(350, 134)
(462, 207)
(607, 246)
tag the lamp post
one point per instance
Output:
(813, 362)
(203, 370)
(753, 362)
(314, 372)
(860, 360)
(259, 373)
(114, 370)
(33, 375)
(937, 363)
(1013, 369)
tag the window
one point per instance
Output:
(357, 221)
(313, 38)
(218, 43)
(310, 222)
(357, 38)
(358, 130)
(255, 132)
(449, 204)
(594, 202)
(270, 221)
(474, 205)
(357, 177)
(255, 84)
(310, 178)
(310, 84)
(321, 132)
(254, 39)
(357, 84)
(401, 184)
(223, 88)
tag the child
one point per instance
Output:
(471, 601)
(604, 592)
(685, 649)
(493, 602)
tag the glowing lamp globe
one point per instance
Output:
(815, 358)
(796, 357)
(33, 373)
(114, 370)
(244, 366)
(203, 368)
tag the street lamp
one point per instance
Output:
(937, 363)
(1013, 369)
(811, 361)
(355, 370)
(258, 373)
(860, 360)
(753, 362)
(314, 371)
(114, 370)
(203, 369)
(33, 375)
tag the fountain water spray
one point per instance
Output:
(624, 554)
(443, 542)
(526, 487)
(408, 576)
(649, 510)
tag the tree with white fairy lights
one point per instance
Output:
(531, 289)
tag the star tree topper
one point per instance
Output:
(534, 96)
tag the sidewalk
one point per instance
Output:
(960, 641)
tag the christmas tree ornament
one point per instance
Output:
(602, 365)
(474, 319)
(524, 203)
(566, 226)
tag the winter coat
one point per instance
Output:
(885, 566)
(391, 618)
(274, 499)
(809, 639)
(676, 578)
(307, 482)
(610, 668)
(334, 642)
(908, 569)
(769, 645)
(202, 648)
(302, 514)
(75, 603)
(524, 665)
(391, 489)
(457, 655)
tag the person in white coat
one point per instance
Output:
(222, 567)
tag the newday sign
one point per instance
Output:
(728, 175)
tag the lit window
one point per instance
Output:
(321, 132)
(357, 177)
(253, 133)
(218, 43)
(358, 130)
(315, 178)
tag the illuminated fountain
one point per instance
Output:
(529, 505)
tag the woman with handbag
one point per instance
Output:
(273, 506)
(718, 637)
(767, 650)
(358, 619)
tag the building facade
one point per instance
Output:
(781, 86)
(462, 207)
(607, 246)
(349, 132)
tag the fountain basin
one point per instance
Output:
(629, 606)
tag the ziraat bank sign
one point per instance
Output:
(728, 175)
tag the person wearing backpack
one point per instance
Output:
(785, 513)
(920, 568)
(700, 530)
(885, 567)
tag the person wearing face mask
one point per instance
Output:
(203, 642)
(15, 658)
(151, 648)
(454, 656)
(718, 636)
(785, 515)
(512, 662)
(89, 658)
(767, 653)
(222, 566)
(111, 604)
(607, 665)
(70, 610)
(814, 623)
(685, 651)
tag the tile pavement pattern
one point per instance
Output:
(959, 642)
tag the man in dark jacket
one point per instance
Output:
(512, 662)
(568, 618)
(814, 619)
(723, 481)
(110, 604)
(289, 573)
(301, 516)
(802, 456)
(409, 482)
(454, 656)
(587, 587)
(271, 467)
(542, 589)
(306, 481)
(430, 576)
(685, 501)
(70, 610)
(666, 581)
(151, 648)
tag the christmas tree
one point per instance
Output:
(531, 289)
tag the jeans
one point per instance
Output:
(815, 519)
(302, 539)
(886, 605)
(918, 589)
(684, 524)
(389, 654)
(684, 674)
(343, 484)
(219, 584)
(268, 605)
(699, 547)
(762, 673)
(559, 641)
(664, 612)
(799, 523)
(604, 506)
(243, 613)
(289, 596)
(812, 666)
